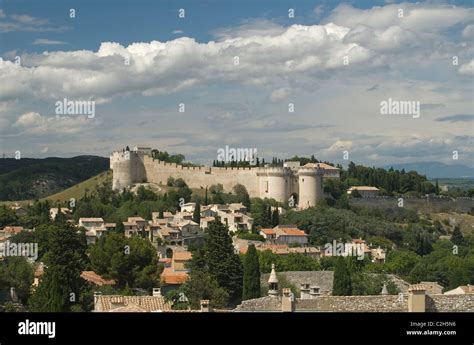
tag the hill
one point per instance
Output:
(30, 178)
(436, 169)
(79, 190)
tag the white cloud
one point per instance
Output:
(270, 56)
(279, 94)
(467, 68)
(415, 17)
(21, 22)
(45, 41)
(35, 123)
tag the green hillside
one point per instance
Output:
(79, 190)
(29, 178)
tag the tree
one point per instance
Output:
(197, 213)
(251, 284)
(129, 261)
(16, 271)
(223, 264)
(61, 285)
(342, 279)
(457, 238)
(275, 217)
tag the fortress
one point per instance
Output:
(303, 183)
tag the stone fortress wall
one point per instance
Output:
(279, 183)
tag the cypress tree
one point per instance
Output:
(197, 213)
(251, 288)
(457, 238)
(224, 265)
(206, 201)
(275, 217)
(342, 280)
(61, 285)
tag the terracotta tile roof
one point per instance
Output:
(268, 231)
(364, 188)
(130, 308)
(96, 279)
(136, 219)
(182, 256)
(12, 230)
(416, 287)
(146, 303)
(172, 277)
(294, 232)
(91, 220)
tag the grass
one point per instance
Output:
(79, 190)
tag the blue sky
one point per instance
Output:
(282, 60)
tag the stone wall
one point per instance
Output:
(390, 303)
(263, 304)
(450, 303)
(380, 303)
(431, 204)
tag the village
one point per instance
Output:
(172, 233)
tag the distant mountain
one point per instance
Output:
(30, 178)
(436, 169)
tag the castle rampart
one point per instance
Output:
(279, 183)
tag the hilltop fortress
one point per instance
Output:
(303, 183)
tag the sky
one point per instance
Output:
(248, 74)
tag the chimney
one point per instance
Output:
(304, 290)
(287, 304)
(97, 294)
(416, 299)
(273, 283)
(13, 295)
(384, 290)
(156, 292)
(205, 308)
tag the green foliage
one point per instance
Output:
(245, 235)
(251, 282)
(178, 300)
(61, 284)
(342, 279)
(166, 157)
(129, 261)
(401, 262)
(446, 267)
(457, 238)
(223, 264)
(290, 262)
(197, 213)
(16, 272)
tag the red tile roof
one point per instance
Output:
(171, 277)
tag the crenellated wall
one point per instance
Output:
(278, 183)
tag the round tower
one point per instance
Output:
(121, 165)
(310, 182)
(274, 183)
